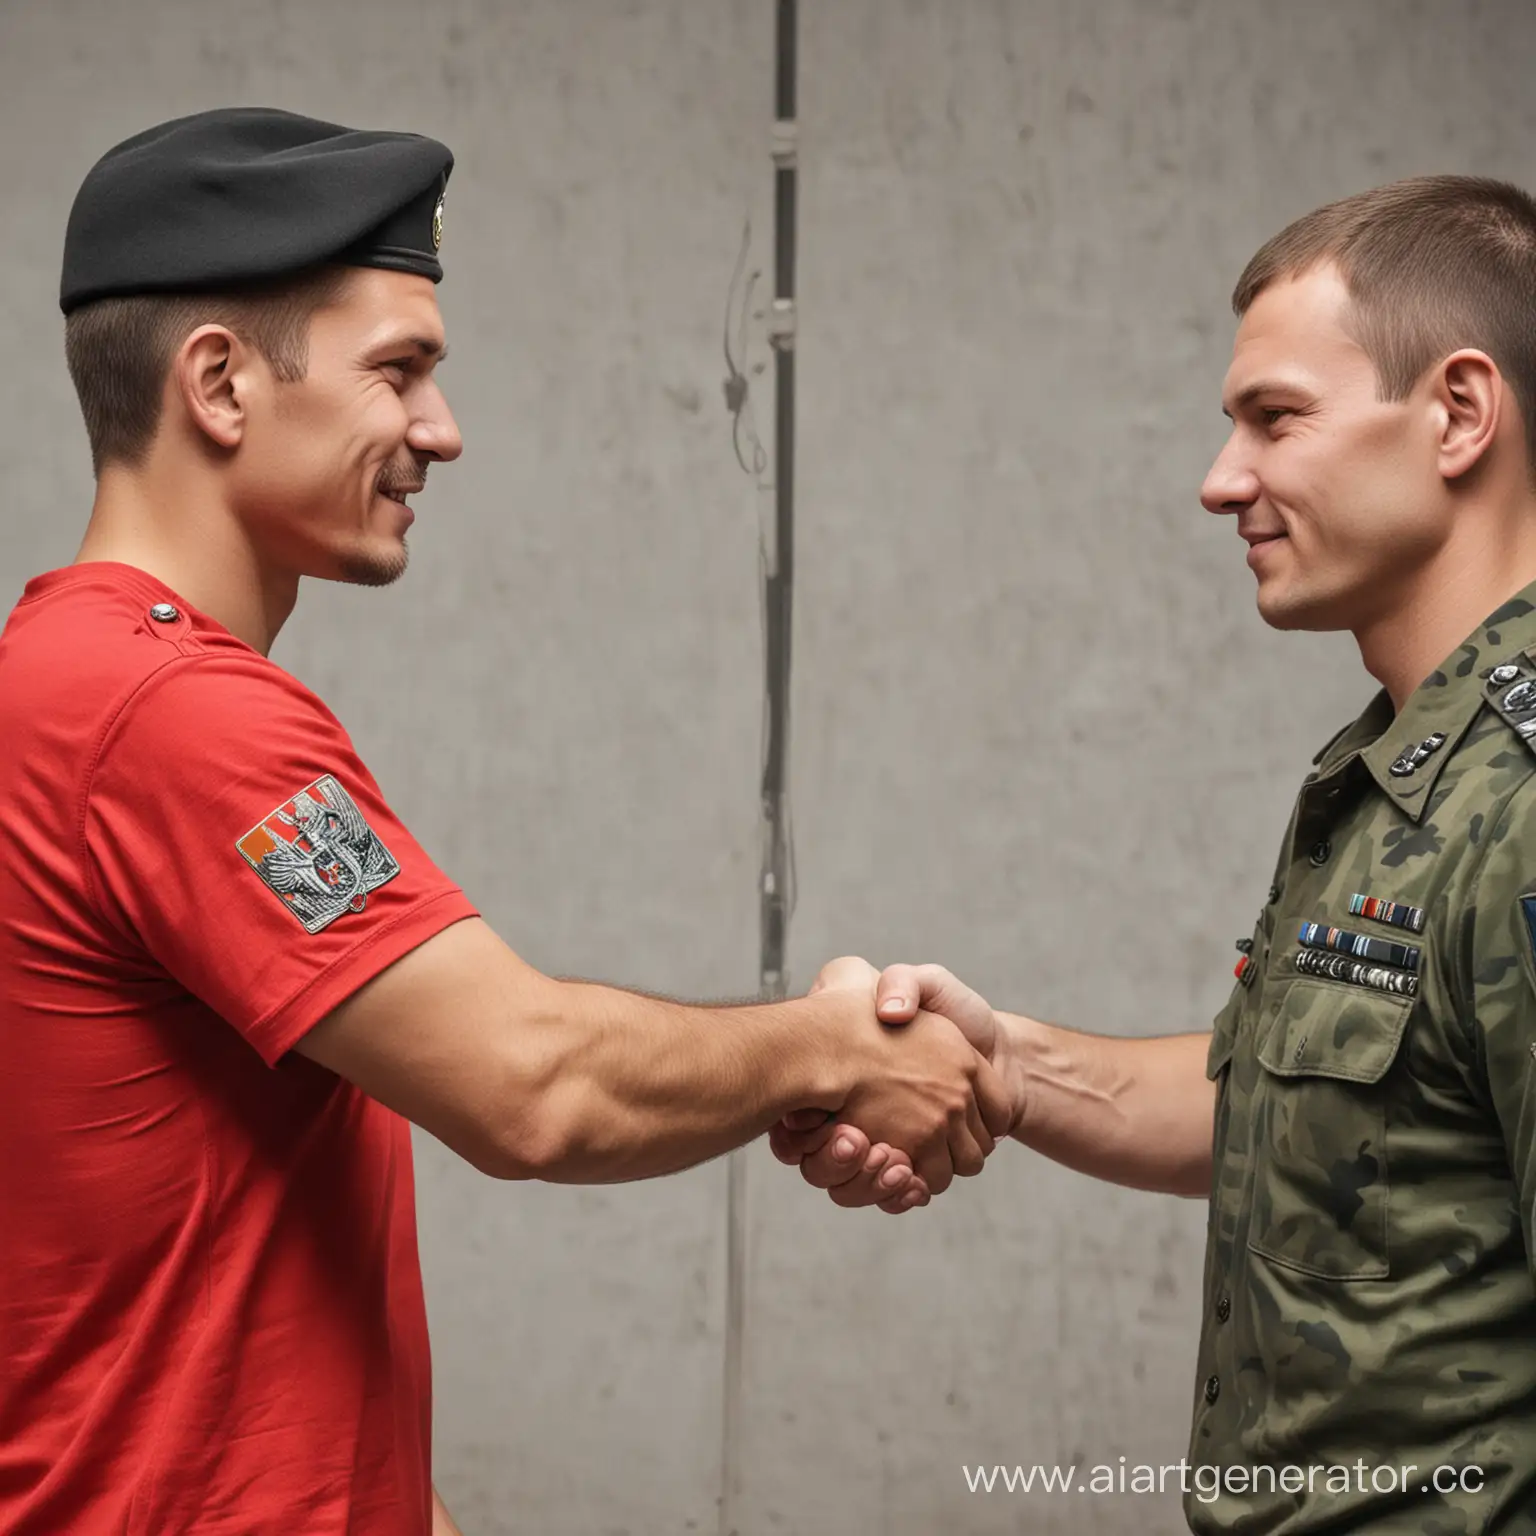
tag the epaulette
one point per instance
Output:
(1511, 692)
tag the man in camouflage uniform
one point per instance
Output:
(1368, 1354)
(1368, 1284)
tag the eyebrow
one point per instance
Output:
(426, 346)
(1251, 392)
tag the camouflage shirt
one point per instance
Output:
(1369, 1296)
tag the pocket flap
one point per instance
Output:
(1333, 1029)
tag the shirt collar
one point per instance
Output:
(1406, 753)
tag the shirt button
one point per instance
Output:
(1321, 852)
(1274, 894)
(164, 613)
(1212, 1388)
(1223, 1311)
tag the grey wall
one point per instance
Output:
(1040, 733)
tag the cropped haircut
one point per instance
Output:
(1432, 264)
(119, 350)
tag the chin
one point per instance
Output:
(1298, 611)
(1279, 615)
(373, 567)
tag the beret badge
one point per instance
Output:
(437, 225)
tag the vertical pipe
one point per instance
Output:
(781, 572)
(775, 892)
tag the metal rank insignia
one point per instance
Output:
(1395, 913)
(1358, 973)
(1518, 704)
(1520, 698)
(1412, 758)
(1405, 957)
(1514, 696)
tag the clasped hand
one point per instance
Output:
(874, 1151)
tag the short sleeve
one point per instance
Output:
(232, 832)
(1501, 961)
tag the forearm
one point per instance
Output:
(442, 1521)
(619, 1086)
(527, 1077)
(1132, 1112)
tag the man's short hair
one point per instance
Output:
(119, 350)
(1432, 264)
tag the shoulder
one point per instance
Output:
(199, 688)
(87, 642)
(87, 650)
(87, 670)
(1510, 838)
(208, 712)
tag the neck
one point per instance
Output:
(174, 521)
(1490, 559)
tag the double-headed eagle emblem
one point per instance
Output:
(318, 853)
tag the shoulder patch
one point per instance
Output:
(318, 855)
(1511, 691)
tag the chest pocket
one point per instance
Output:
(1320, 1185)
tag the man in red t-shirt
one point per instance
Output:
(229, 977)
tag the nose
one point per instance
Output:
(433, 433)
(1231, 484)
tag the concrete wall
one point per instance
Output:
(1040, 733)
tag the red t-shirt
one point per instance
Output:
(211, 1316)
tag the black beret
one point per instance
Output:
(248, 194)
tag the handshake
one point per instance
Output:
(941, 1085)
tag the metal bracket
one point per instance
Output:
(784, 143)
(781, 325)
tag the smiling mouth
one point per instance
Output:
(398, 493)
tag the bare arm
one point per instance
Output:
(529, 1077)
(1133, 1112)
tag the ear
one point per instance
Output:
(207, 378)
(1470, 393)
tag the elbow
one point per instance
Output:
(517, 1153)
(536, 1113)
(536, 1133)
(498, 1157)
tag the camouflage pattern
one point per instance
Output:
(1369, 1293)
